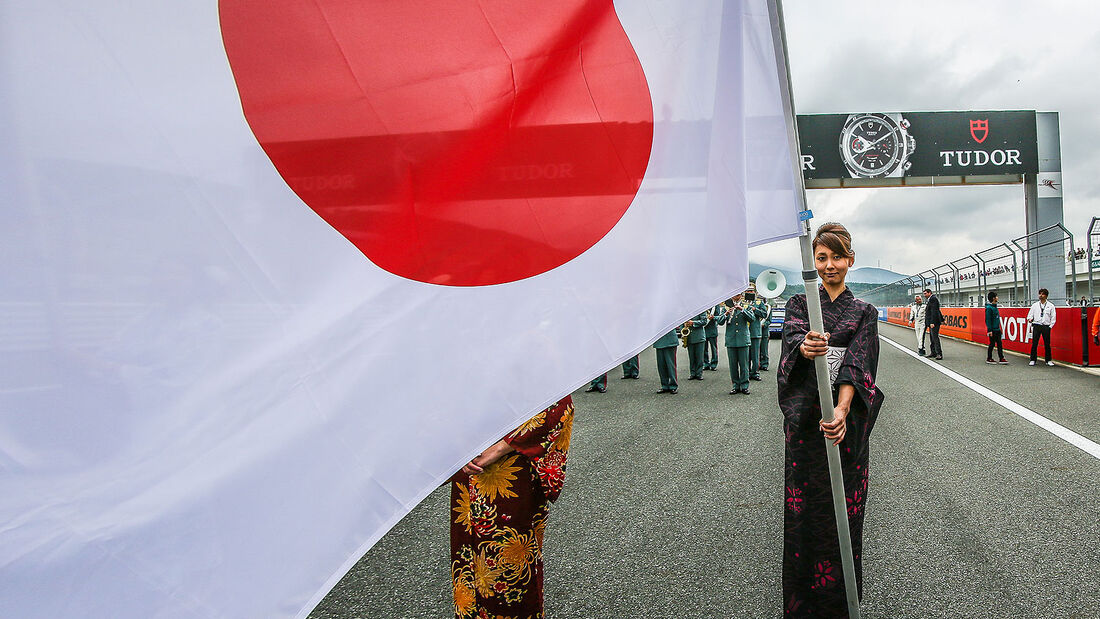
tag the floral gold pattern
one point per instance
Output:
(497, 478)
(499, 521)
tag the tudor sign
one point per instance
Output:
(918, 144)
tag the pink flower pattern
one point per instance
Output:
(823, 575)
(857, 499)
(794, 499)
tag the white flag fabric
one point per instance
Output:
(273, 271)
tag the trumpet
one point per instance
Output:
(734, 306)
(684, 332)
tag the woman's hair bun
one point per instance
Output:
(835, 237)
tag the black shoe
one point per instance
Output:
(604, 390)
(625, 377)
(939, 357)
(635, 377)
(590, 390)
(763, 369)
(921, 352)
(991, 362)
(745, 391)
(662, 391)
(734, 391)
(671, 392)
(757, 377)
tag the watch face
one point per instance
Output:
(872, 145)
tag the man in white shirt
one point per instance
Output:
(916, 320)
(1041, 317)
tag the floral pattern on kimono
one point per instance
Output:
(499, 518)
(813, 582)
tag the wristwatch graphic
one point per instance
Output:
(876, 145)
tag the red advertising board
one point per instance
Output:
(1067, 342)
(958, 322)
(1065, 338)
(898, 315)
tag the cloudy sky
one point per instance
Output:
(857, 55)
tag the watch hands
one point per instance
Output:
(869, 145)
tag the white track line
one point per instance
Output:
(1061, 432)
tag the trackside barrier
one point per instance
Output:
(1070, 341)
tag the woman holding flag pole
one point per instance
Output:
(813, 583)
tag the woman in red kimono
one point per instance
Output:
(499, 505)
(813, 583)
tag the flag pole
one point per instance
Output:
(813, 307)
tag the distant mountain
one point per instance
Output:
(873, 275)
(861, 275)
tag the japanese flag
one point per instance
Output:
(273, 270)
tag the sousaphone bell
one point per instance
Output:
(770, 283)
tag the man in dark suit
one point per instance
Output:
(933, 318)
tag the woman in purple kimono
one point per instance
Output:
(813, 582)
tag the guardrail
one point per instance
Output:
(966, 281)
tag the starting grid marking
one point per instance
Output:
(1056, 429)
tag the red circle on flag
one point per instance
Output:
(455, 143)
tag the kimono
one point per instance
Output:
(813, 582)
(499, 516)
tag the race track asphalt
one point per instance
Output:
(672, 504)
